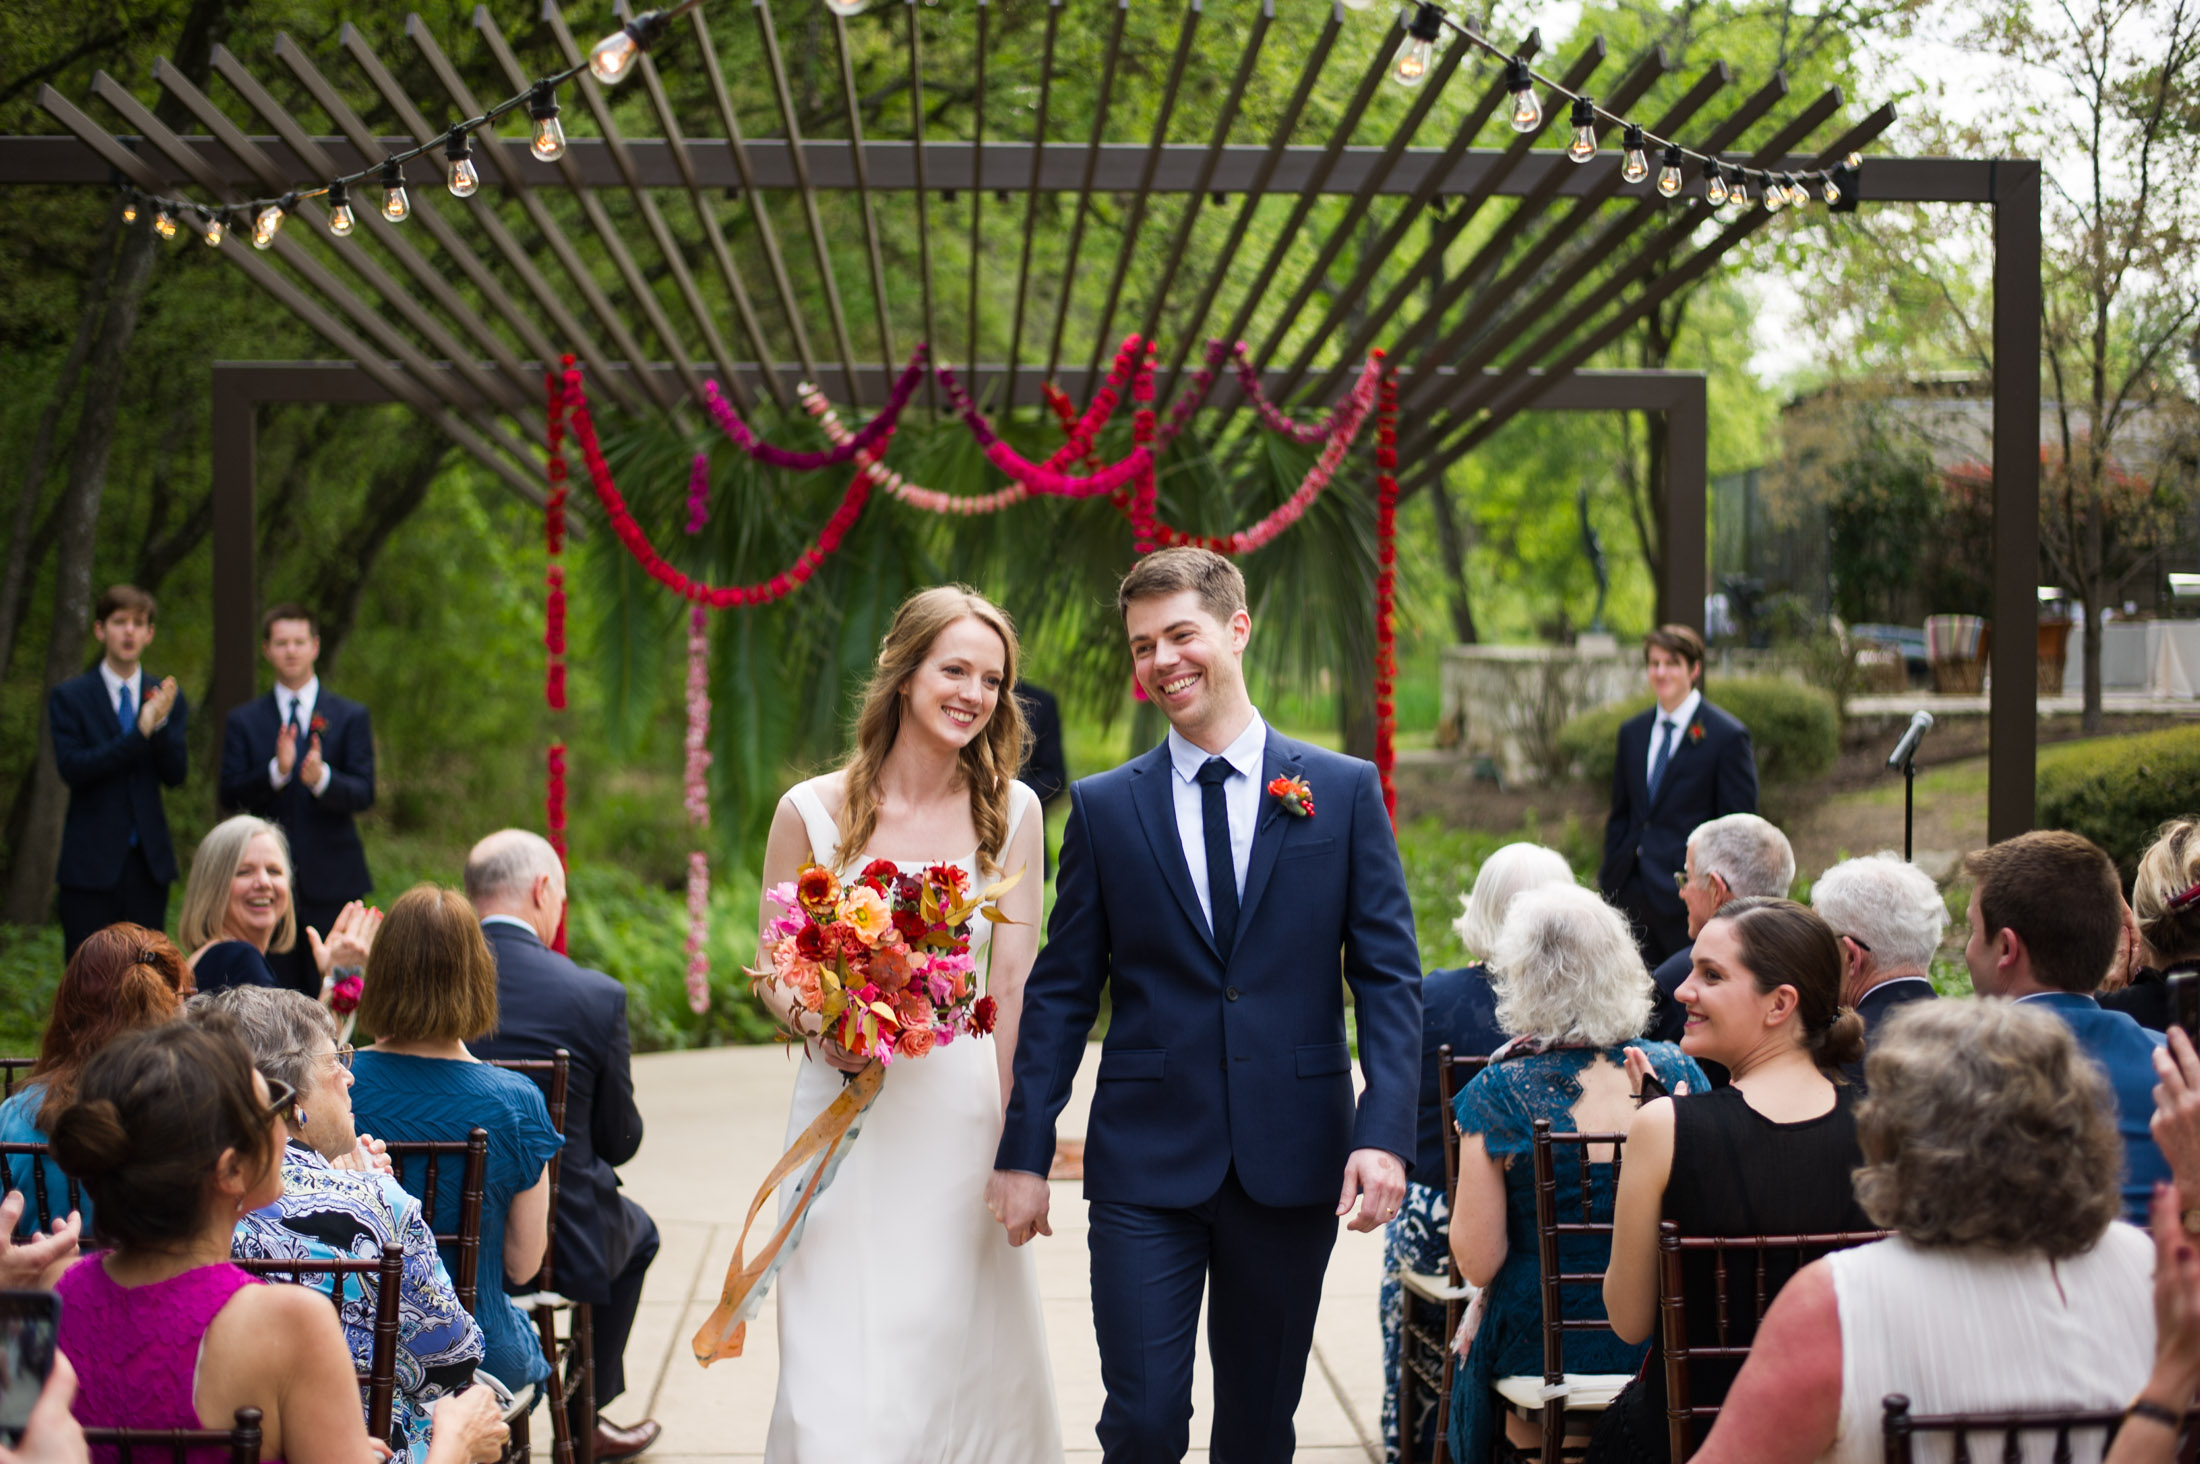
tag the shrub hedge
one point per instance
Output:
(2117, 791)
(1795, 729)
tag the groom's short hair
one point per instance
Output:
(1221, 589)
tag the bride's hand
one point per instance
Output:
(840, 1057)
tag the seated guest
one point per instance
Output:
(1458, 1008)
(236, 908)
(1730, 858)
(1888, 915)
(176, 1135)
(1770, 1154)
(2047, 923)
(123, 977)
(1990, 1143)
(545, 1002)
(336, 1206)
(2165, 899)
(432, 985)
(1570, 984)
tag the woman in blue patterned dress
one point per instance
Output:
(1571, 984)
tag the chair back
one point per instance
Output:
(14, 1070)
(1425, 1356)
(1452, 1076)
(1681, 1413)
(473, 1150)
(552, 1073)
(380, 1378)
(1551, 1227)
(34, 1157)
(1899, 1427)
(242, 1441)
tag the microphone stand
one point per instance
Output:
(1909, 806)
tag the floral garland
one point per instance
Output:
(1271, 416)
(929, 499)
(553, 635)
(1386, 588)
(873, 434)
(698, 760)
(1145, 528)
(636, 539)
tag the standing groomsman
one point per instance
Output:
(303, 758)
(117, 736)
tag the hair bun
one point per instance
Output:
(1843, 1040)
(89, 1139)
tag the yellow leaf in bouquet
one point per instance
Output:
(1001, 887)
(993, 913)
(836, 1002)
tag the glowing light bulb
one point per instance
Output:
(396, 207)
(1669, 173)
(463, 180)
(1714, 184)
(215, 228)
(1527, 112)
(548, 143)
(1635, 164)
(1737, 196)
(1798, 195)
(846, 8)
(1776, 195)
(129, 212)
(267, 226)
(340, 220)
(611, 58)
(1419, 52)
(1584, 122)
(1853, 160)
(163, 225)
(1831, 193)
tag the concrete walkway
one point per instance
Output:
(715, 1119)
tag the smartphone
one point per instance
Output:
(2184, 1003)
(28, 1323)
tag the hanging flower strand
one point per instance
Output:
(872, 434)
(553, 634)
(1386, 589)
(698, 760)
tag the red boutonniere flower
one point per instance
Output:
(1293, 793)
(1695, 731)
(318, 725)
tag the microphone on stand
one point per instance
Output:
(1920, 724)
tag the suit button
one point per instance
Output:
(1231, 992)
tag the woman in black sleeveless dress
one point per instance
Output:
(1773, 1154)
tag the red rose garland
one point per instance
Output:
(553, 636)
(1386, 587)
(1141, 508)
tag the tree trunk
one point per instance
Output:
(2090, 723)
(30, 883)
(1453, 543)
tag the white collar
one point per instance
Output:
(308, 695)
(115, 683)
(1245, 754)
(1681, 715)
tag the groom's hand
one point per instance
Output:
(1378, 1180)
(1019, 1201)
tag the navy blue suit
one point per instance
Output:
(1875, 1006)
(605, 1241)
(116, 858)
(1457, 1008)
(1217, 1141)
(1646, 838)
(328, 864)
(2124, 1052)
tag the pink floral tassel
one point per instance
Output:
(698, 808)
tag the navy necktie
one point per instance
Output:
(126, 709)
(297, 731)
(1222, 892)
(1667, 732)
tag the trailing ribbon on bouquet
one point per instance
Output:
(821, 1146)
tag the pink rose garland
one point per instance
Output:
(698, 808)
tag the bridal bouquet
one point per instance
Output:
(882, 964)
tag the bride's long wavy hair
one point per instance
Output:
(989, 760)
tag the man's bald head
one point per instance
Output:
(505, 874)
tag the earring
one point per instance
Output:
(300, 1115)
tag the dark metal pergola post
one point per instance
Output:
(2013, 726)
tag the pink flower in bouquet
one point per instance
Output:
(915, 1042)
(343, 997)
(915, 1010)
(864, 910)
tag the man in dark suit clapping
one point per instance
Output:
(117, 736)
(605, 1241)
(1682, 763)
(302, 757)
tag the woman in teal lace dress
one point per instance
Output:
(1572, 990)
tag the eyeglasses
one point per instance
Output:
(282, 1102)
(343, 1055)
(1680, 878)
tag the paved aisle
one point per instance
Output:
(715, 1120)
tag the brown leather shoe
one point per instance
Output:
(614, 1443)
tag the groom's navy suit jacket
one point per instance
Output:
(1217, 1058)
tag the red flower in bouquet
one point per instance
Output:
(880, 875)
(816, 888)
(343, 996)
(984, 1014)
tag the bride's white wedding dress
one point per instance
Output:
(909, 1329)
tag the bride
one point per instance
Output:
(909, 1329)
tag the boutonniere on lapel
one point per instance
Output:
(1293, 793)
(1695, 731)
(319, 724)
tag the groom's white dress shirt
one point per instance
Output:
(1679, 717)
(302, 701)
(1240, 796)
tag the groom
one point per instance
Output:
(1224, 1142)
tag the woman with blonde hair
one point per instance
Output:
(2165, 903)
(237, 908)
(931, 780)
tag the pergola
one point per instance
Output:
(683, 257)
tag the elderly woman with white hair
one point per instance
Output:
(1888, 915)
(1570, 984)
(1458, 1010)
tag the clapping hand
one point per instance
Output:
(2176, 1122)
(2129, 956)
(350, 938)
(159, 702)
(1643, 1082)
(309, 771)
(286, 749)
(24, 1264)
